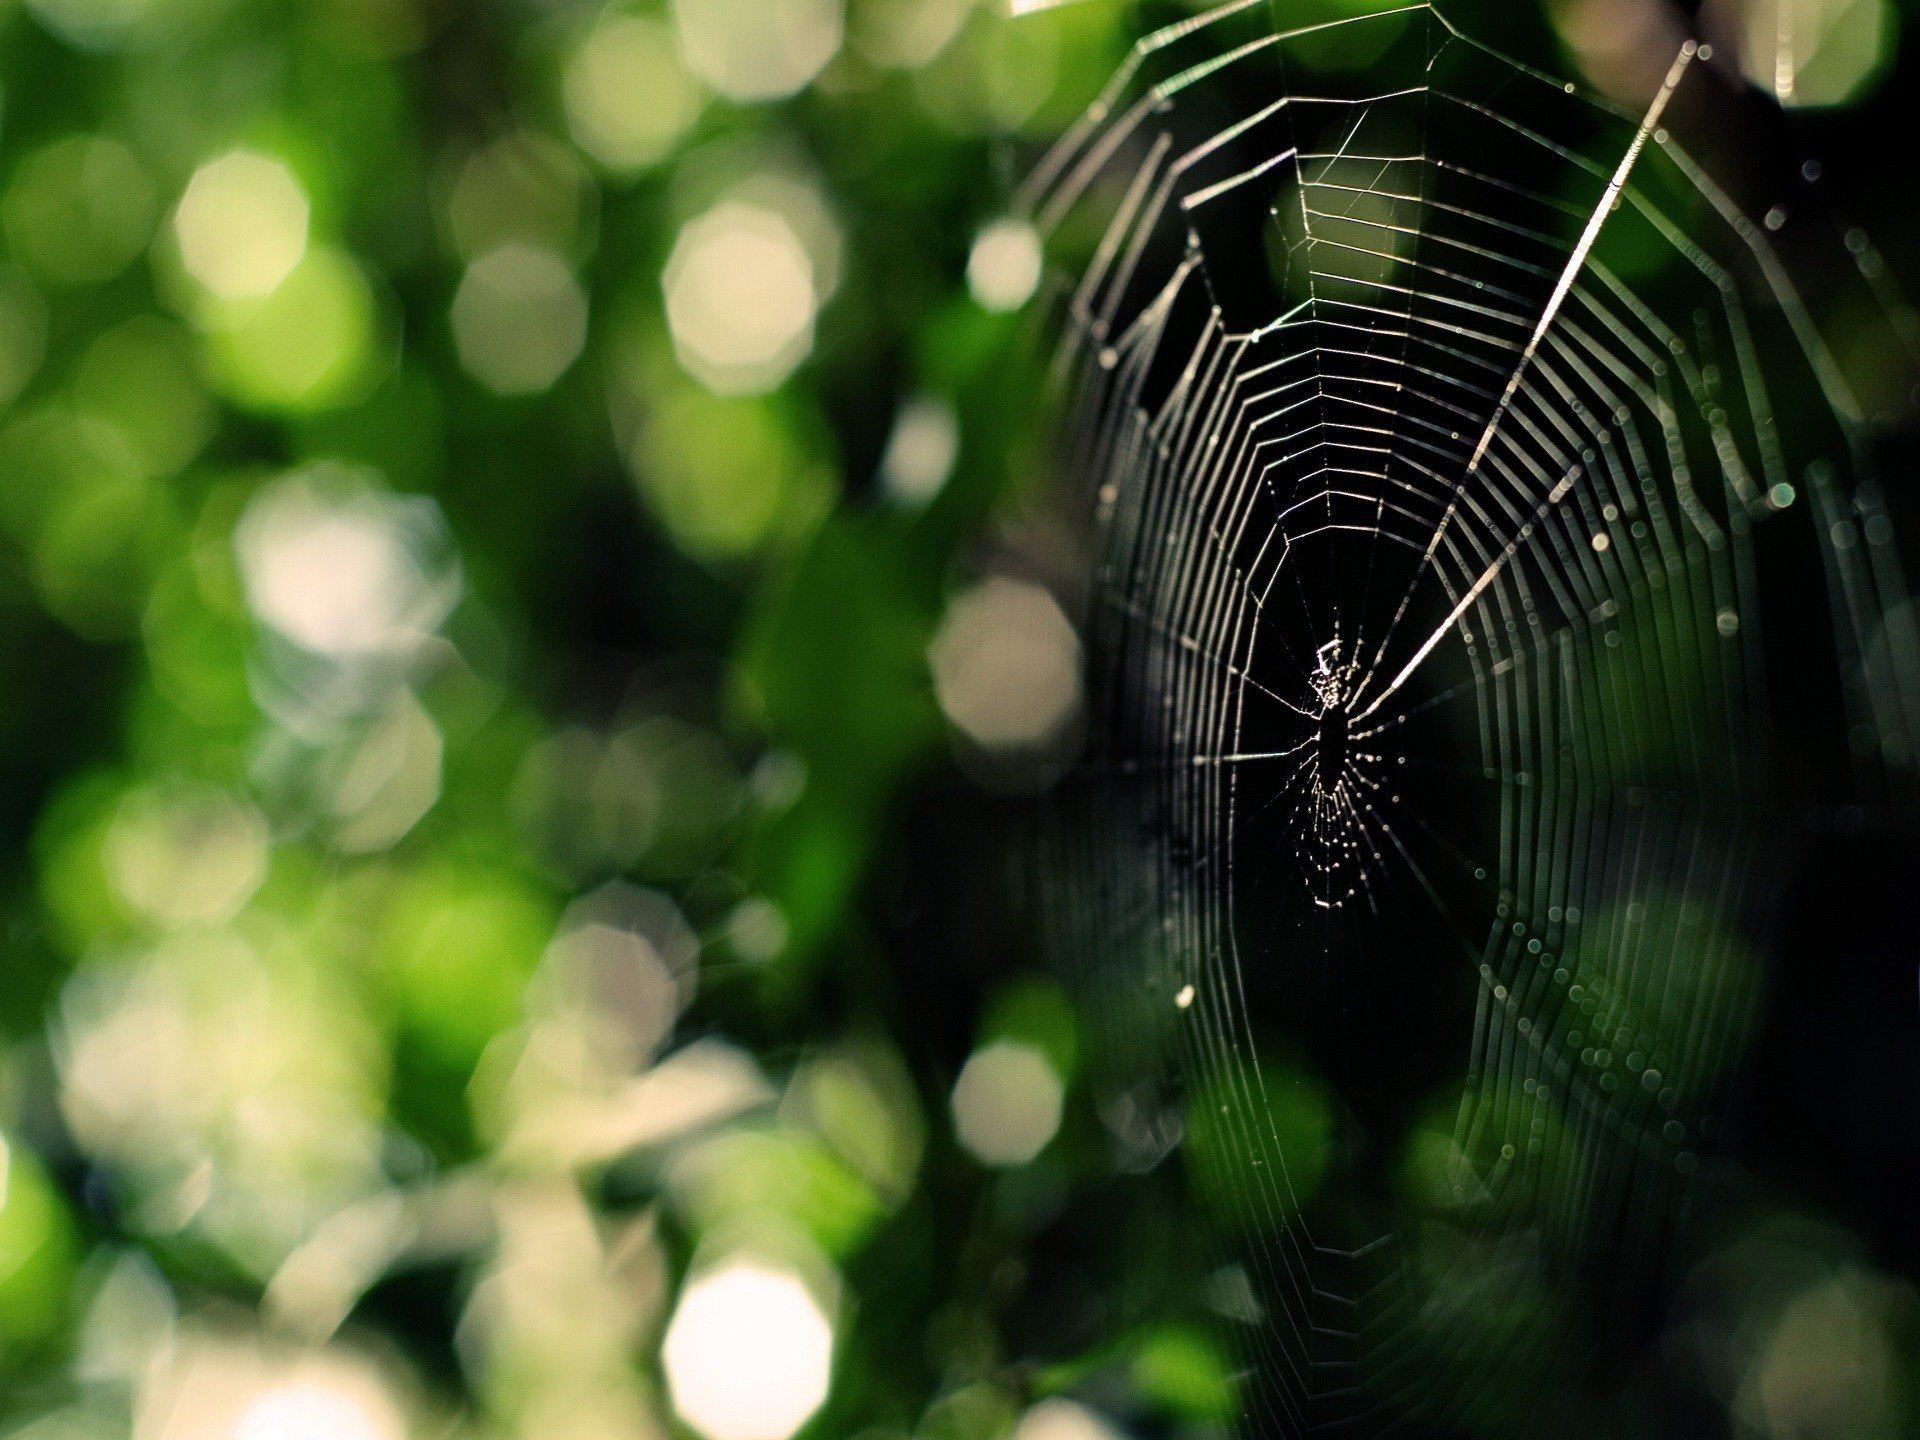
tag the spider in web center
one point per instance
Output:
(1336, 791)
(1331, 682)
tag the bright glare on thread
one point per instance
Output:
(1816, 52)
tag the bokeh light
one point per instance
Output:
(1058, 1418)
(309, 344)
(23, 332)
(340, 569)
(242, 224)
(139, 379)
(523, 188)
(186, 856)
(1006, 665)
(921, 450)
(1007, 1103)
(105, 24)
(78, 210)
(1003, 269)
(758, 49)
(384, 776)
(741, 297)
(748, 1353)
(519, 319)
(904, 34)
(225, 1389)
(623, 966)
(233, 1088)
(1814, 52)
(628, 99)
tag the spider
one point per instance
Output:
(1331, 679)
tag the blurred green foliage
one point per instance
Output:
(467, 673)
(480, 484)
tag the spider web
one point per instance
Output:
(1484, 577)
